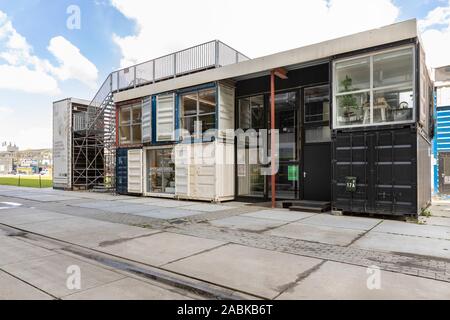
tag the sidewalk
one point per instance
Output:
(259, 252)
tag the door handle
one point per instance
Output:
(304, 174)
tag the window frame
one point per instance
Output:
(130, 107)
(197, 114)
(372, 90)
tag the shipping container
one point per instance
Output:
(64, 114)
(129, 171)
(205, 171)
(383, 171)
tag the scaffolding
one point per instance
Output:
(94, 136)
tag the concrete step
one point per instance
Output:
(309, 209)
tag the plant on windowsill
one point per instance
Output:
(348, 102)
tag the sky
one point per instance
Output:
(54, 49)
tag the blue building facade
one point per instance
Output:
(441, 142)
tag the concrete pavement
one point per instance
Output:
(262, 253)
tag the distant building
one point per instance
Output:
(441, 143)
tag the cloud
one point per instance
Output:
(6, 110)
(256, 28)
(73, 65)
(26, 80)
(436, 36)
(26, 72)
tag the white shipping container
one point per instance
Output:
(63, 121)
(62, 144)
(205, 171)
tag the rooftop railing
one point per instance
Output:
(213, 54)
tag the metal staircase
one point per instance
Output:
(94, 145)
(94, 134)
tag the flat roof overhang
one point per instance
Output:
(296, 57)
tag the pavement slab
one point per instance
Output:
(321, 234)
(168, 213)
(206, 207)
(279, 214)
(386, 242)
(97, 204)
(127, 289)
(13, 250)
(345, 222)
(161, 248)
(247, 223)
(338, 281)
(411, 229)
(21, 216)
(129, 208)
(255, 271)
(50, 274)
(72, 225)
(14, 289)
(438, 221)
(113, 234)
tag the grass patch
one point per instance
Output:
(426, 213)
(27, 181)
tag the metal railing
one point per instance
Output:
(212, 54)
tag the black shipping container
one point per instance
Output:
(122, 171)
(390, 167)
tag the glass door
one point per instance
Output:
(252, 118)
(286, 121)
(160, 176)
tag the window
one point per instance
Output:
(317, 114)
(251, 113)
(130, 124)
(160, 171)
(317, 105)
(374, 90)
(200, 108)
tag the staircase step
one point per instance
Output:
(309, 209)
(310, 203)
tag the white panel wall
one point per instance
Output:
(135, 166)
(62, 144)
(165, 117)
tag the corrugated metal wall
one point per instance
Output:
(384, 163)
(442, 138)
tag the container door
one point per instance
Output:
(165, 117)
(135, 171)
(444, 172)
(122, 171)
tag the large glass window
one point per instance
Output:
(160, 171)
(130, 124)
(200, 108)
(375, 89)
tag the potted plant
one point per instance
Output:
(348, 102)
